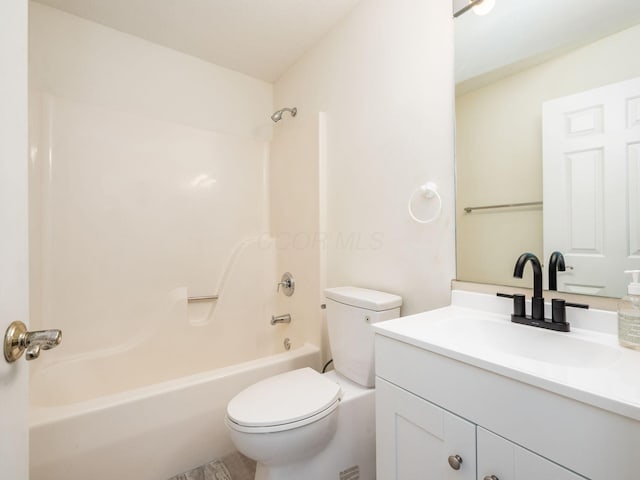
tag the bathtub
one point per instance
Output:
(149, 432)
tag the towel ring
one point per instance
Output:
(428, 191)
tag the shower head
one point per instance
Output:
(277, 116)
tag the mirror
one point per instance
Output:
(548, 141)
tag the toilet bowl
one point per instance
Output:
(306, 425)
(338, 440)
(285, 417)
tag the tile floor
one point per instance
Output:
(234, 466)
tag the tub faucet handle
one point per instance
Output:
(287, 283)
(17, 340)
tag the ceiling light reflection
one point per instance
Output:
(202, 181)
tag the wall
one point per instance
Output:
(296, 174)
(384, 77)
(78, 59)
(148, 175)
(499, 153)
(14, 303)
(388, 99)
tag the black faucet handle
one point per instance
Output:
(558, 311)
(519, 309)
(504, 295)
(577, 305)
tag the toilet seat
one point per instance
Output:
(283, 402)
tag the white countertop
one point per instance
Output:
(585, 364)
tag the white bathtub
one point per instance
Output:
(145, 433)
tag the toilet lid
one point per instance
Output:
(284, 401)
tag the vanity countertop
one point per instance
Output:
(584, 364)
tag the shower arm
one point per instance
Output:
(277, 115)
(467, 7)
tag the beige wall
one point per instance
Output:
(499, 153)
(384, 78)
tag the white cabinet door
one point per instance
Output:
(508, 461)
(415, 438)
(591, 172)
(13, 239)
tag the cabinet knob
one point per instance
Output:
(491, 477)
(455, 461)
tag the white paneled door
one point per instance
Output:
(591, 178)
(13, 232)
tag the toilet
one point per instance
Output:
(306, 425)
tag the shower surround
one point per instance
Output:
(152, 181)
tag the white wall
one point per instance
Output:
(296, 170)
(384, 77)
(81, 60)
(148, 172)
(499, 153)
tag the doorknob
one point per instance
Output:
(17, 340)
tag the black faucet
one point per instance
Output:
(537, 302)
(556, 264)
(558, 320)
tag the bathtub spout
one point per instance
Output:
(286, 318)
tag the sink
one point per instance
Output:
(501, 336)
(585, 364)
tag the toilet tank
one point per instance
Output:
(350, 313)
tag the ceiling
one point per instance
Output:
(518, 34)
(261, 38)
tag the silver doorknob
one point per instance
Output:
(491, 477)
(17, 340)
(455, 461)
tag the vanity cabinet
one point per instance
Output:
(520, 403)
(418, 440)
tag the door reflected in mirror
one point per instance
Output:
(539, 83)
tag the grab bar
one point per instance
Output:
(203, 298)
(506, 205)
